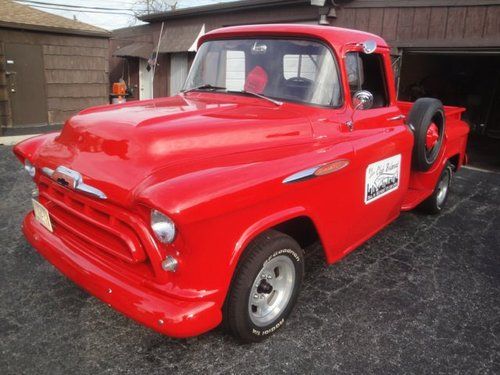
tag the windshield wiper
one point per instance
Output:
(210, 87)
(207, 86)
(277, 102)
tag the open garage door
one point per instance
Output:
(466, 78)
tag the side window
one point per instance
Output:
(235, 70)
(302, 66)
(366, 72)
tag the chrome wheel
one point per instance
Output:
(271, 290)
(442, 187)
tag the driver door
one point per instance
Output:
(382, 144)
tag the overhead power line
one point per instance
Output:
(43, 3)
(84, 10)
(81, 9)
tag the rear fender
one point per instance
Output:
(453, 149)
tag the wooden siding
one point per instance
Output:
(76, 70)
(428, 26)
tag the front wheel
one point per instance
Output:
(435, 203)
(265, 287)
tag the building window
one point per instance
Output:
(302, 66)
(235, 70)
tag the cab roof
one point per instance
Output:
(337, 37)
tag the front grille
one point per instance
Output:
(96, 227)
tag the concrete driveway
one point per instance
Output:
(423, 296)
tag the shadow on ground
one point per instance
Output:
(423, 296)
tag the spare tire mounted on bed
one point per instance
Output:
(428, 121)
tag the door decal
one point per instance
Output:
(382, 177)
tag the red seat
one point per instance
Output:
(256, 80)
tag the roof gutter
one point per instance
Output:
(219, 8)
(57, 30)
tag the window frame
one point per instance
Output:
(382, 65)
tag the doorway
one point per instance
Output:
(26, 84)
(145, 81)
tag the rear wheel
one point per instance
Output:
(265, 287)
(435, 203)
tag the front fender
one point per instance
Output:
(262, 225)
(27, 149)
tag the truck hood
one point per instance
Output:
(115, 148)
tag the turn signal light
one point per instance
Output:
(169, 264)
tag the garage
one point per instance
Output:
(52, 65)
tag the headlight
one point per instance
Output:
(163, 227)
(30, 168)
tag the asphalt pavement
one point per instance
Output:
(422, 296)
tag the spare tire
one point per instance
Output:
(427, 120)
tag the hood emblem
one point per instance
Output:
(73, 180)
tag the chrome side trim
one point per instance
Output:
(317, 171)
(75, 179)
(302, 175)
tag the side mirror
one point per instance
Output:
(362, 99)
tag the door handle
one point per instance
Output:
(350, 125)
(396, 118)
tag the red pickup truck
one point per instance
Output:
(192, 210)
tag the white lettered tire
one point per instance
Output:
(265, 287)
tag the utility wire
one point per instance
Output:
(84, 11)
(73, 7)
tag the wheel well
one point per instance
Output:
(454, 161)
(301, 229)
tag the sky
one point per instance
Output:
(108, 19)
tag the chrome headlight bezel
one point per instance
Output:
(163, 227)
(30, 168)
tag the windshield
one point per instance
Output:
(294, 70)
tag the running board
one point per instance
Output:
(413, 198)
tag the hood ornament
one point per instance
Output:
(73, 180)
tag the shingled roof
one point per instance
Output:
(17, 16)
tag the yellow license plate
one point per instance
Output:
(42, 215)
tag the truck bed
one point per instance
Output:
(450, 112)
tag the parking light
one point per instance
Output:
(30, 168)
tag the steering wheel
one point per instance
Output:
(300, 81)
(297, 87)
